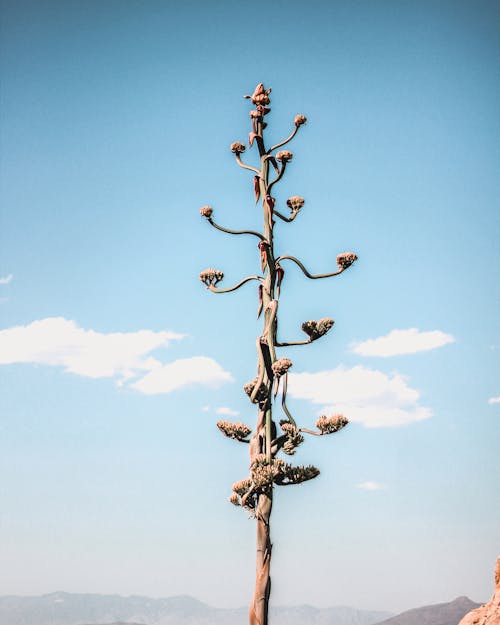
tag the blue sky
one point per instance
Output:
(116, 119)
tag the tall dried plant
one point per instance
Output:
(255, 493)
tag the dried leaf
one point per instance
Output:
(263, 254)
(280, 272)
(261, 300)
(256, 188)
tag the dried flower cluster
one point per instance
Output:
(293, 438)
(262, 393)
(264, 472)
(284, 156)
(300, 120)
(260, 97)
(238, 431)
(206, 211)
(234, 499)
(242, 487)
(281, 366)
(316, 329)
(295, 203)
(346, 259)
(237, 147)
(211, 277)
(296, 475)
(330, 425)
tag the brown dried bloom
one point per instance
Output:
(316, 329)
(255, 114)
(234, 499)
(281, 366)
(330, 425)
(206, 211)
(294, 438)
(295, 203)
(241, 487)
(262, 393)
(264, 472)
(324, 325)
(260, 96)
(346, 259)
(296, 475)
(261, 99)
(284, 156)
(299, 120)
(211, 277)
(239, 431)
(237, 147)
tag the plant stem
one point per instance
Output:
(259, 608)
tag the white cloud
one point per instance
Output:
(59, 342)
(494, 400)
(228, 412)
(363, 395)
(371, 486)
(399, 342)
(6, 279)
(183, 372)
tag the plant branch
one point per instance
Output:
(278, 177)
(307, 431)
(236, 286)
(245, 166)
(292, 343)
(283, 403)
(284, 142)
(283, 218)
(305, 272)
(222, 229)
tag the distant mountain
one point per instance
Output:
(439, 614)
(62, 608)
(489, 613)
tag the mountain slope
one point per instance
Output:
(438, 614)
(489, 613)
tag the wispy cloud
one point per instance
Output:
(399, 342)
(363, 395)
(6, 279)
(494, 400)
(60, 342)
(371, 486)
(225, 411)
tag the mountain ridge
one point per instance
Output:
(62, 608)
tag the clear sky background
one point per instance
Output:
(116, 120)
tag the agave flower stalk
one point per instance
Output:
(267, 469)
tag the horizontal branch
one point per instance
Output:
(313, 432)
(305, 272)
(292, 343)
(236, 286)
(222, 229)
